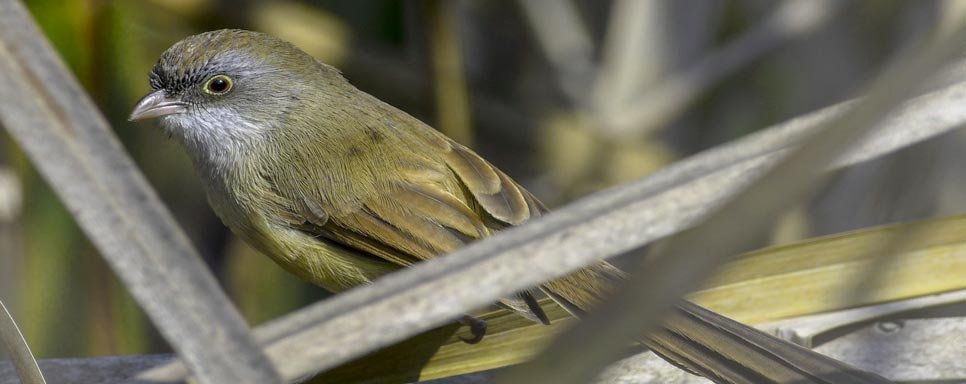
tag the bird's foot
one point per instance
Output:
(477, 328)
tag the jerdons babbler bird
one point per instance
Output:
(340, 188)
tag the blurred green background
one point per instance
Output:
(476, 70)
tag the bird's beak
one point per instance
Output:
(156, 104)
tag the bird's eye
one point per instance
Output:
(217, 85)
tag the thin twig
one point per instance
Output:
(635, 52)
(565, 43)
(449, 80)
(654, 106)
(624, 113)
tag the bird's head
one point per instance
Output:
(226, 88)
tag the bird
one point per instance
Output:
(340, 188)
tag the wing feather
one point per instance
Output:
(493, 190)
(415, 228)
(476, 173)
(362, 231)
(443, 208)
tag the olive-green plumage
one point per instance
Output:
(340, 188)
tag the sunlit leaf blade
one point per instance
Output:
(757, 286)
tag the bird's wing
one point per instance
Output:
(409, 223)
(497, 198)
(497, 195)
(416, 220)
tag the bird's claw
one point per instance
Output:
(477, 328)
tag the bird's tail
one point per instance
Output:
(711, 345)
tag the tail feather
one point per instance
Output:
(711, 345)
(697, 359)
(582, 290)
